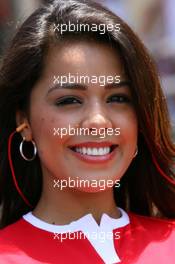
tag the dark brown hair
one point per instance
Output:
(143, 187)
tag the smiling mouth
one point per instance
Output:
(94, 151)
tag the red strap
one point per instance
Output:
(162, 172)
(12, 171)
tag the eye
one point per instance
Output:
(119, 98)
(67, 101)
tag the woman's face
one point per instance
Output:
(83, 105)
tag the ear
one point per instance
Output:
(21, 118)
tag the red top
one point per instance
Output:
(131, 239)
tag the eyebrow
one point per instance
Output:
(79, 86)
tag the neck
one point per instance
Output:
(64, 206)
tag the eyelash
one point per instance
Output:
(69, 100)
(125, 98)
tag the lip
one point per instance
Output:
(91, 144)
(95, 159)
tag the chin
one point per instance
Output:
(92, 190)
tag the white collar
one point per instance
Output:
(88, 225)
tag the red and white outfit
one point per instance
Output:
(129, 239)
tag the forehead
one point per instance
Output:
(81, 56)
(80, 59)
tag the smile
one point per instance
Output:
(94, 151)
(94, 154)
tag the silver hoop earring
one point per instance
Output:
(21, 150)
(136, 152)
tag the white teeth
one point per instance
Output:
(83, 151)
(93, 151)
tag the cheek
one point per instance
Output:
(128, 125)
(45, 122)
(48, 145)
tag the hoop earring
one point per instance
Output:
(21, 150)
(136, 152)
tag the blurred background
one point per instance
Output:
(152, 20)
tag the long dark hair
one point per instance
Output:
(144, 186)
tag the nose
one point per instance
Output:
(97, 118)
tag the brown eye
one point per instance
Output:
(68, 101)
(118, 98)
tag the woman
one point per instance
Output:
(62, 192)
